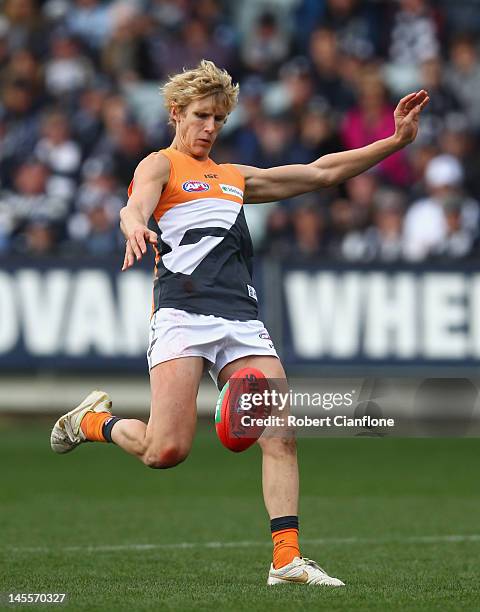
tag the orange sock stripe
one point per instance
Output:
(92, 424)
(285, 547)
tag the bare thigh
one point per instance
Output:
(275, 439)
(173, 416)
(270, 366)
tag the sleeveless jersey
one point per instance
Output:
(204, 259)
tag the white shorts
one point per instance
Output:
(176, 333)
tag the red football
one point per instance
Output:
(234, 434)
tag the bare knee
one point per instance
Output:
(166, 457)
(278, 446)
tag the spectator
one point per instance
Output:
(354, 28)
(125, 54)
(26, 29)
(309, 226)
(463, 76)
(59, 153)
(37, 239)
(361, 191)
(129, 149)
(298, 86)
(6, 228)
(458, 241)
(76, 97)
(266, 47)
(278, 234)
(21, 120)
(443, 99)
(317, 134)
(170, 14)
(68, 71)
(414, 36)
(458, 140)
(372, 119)
(386, 235)
(307, 14)
(342, 224)
(94, 226)
(100, 187)
(419, 157)
(87, 119)
(275, 141)
(383, 240)
(325, 58)
(90, 21)
(170, 54)
(31, 199)
(93, 232)
(249, 114)
(4, 50)
(425, 222)
(115, 114)
(25, 67)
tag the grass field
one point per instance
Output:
(397, 520)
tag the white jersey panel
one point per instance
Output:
(198, 214)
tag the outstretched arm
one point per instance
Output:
(268, 185)
(150, 178)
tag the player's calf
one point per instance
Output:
(278, 444)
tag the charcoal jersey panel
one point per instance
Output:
(205, 250)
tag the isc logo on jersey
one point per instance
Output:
(195, 186)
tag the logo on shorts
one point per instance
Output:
(195, 186)
(266, 336)
(251, 292)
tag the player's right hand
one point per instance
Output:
(136, 244)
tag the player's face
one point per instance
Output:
(198, 126)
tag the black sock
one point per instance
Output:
(284, 522)
(107, 428)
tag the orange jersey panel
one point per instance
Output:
(191, 179)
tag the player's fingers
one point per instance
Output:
(423, 104)
(129, 258)
(152, 237)
(126, 263)
(417, 99)
(130, 255)
(141, 242)
(406, 99)
(419, 107)
(135, 248)
(413, 102)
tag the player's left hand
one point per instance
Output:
(129, 258)
(407, 115)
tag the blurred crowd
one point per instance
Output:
(80, 107)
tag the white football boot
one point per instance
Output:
(303, 571)
(67, 433)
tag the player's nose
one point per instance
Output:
(210, 125)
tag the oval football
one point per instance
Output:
(232, 433)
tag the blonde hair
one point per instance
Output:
(204, 80)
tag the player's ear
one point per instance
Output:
(175, 112)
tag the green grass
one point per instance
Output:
(367, 506)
